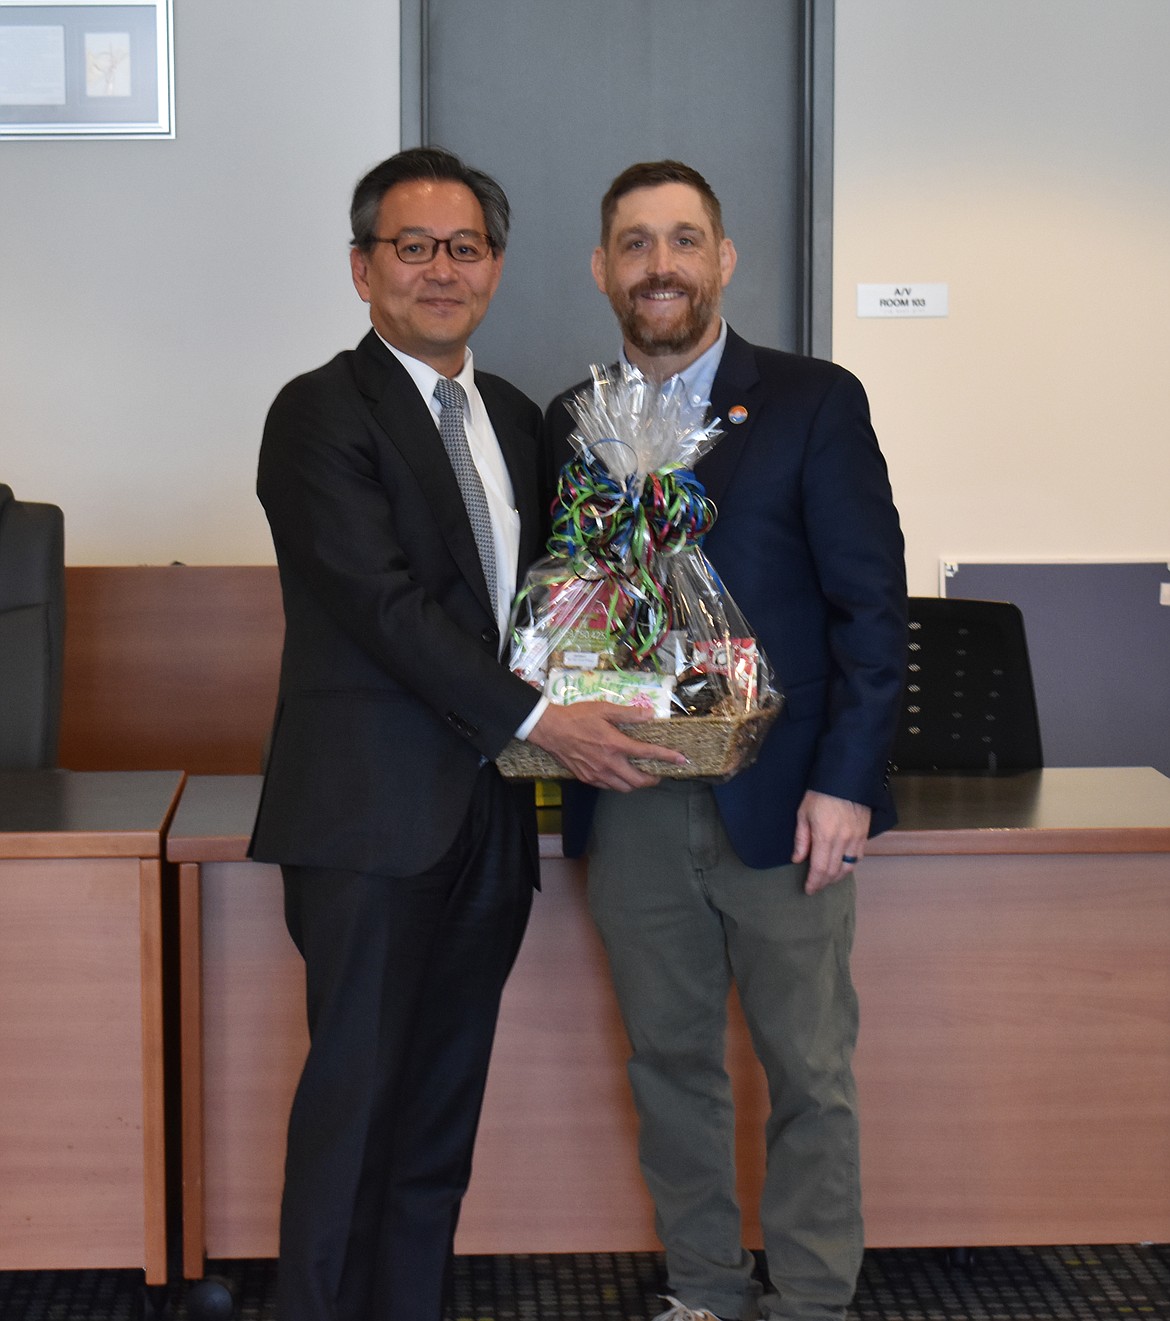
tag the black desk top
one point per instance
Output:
(214, 819)
(1058, 810)
(1089, 809)
(111, 814)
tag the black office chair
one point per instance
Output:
(969, 703)
(32, 631)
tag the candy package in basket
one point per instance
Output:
(626, 608)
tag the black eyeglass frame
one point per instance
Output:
(436, 244)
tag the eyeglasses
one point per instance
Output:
(418, 249)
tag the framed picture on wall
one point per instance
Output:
(86, 70)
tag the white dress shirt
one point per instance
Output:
(489, 462)
(497, 486)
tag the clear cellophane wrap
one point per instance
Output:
(626, 608)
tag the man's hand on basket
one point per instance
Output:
(586, 740)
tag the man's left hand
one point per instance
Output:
(831, 834)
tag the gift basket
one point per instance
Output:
(626, 608)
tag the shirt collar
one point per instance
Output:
(424, 375)
(698, 377)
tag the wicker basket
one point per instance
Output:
(717, 747)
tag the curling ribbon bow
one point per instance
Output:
(627, 529)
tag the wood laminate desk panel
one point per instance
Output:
(1014, 1064)
(82, 1177)
(170, 665)
(1014, 1060)
(557, 1115)
(244, 1035)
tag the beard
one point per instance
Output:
(655, 339)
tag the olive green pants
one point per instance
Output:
(681, 918)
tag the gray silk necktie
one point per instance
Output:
(451, 397)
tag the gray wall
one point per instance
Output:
(593, 87)
(1099, 642)
(155, 295)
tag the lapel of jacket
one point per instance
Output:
(736, 384)
(409, 426)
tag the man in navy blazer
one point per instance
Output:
(696, 886)
(400, 484)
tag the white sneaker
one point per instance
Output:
(678, 1312)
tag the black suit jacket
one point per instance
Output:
(808, 544)
(391, 693)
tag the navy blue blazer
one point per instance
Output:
(391, 692)
(808, 544)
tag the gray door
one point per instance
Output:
(555, 98)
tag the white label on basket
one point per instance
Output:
(580, 660)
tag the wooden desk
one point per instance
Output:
(556, 1096)
(1013, 960)
(82, 1177)
(243, 1036)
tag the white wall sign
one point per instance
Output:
(902, 300)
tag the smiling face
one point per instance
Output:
(664, 269)
(427, 311)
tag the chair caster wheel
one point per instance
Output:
(210, 1299)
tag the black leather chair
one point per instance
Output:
(969, 703)
(32, 631)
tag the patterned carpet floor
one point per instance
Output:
(994, 1284)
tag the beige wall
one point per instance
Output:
(1015, 150)
(154, 296)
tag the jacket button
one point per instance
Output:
(490, 635)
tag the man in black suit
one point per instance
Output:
(694, 886)
(402, 490)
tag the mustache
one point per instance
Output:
(656, 284)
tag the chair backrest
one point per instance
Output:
(32, 631)
(969, 703)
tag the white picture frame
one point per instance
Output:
(86, 69)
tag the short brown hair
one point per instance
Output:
(648, 174)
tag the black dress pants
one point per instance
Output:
(404, 976)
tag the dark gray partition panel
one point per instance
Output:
(556, 99)
(1099, 638)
